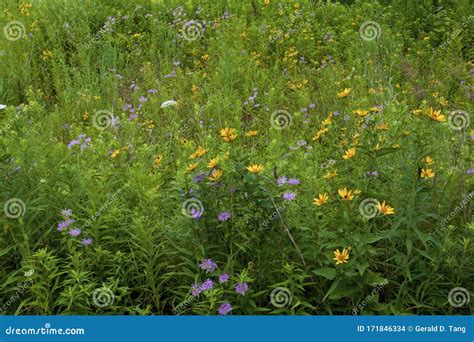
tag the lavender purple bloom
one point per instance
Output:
(207, 285)
(65, 224)
(87, 242)
(223, 278)
(209, 265)
(293, 181)
(195, 290)
(282, 180)
(224, 309)
(289, 196)
(241, 288)
(74, 232)
(223, 216)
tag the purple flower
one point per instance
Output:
(372, 173)
(82, 139)
(65, 224)
(209, 265)
(195, 290)
(207, 285)
(301, 143)
(335, 113)
(312, 105)
(196, 213)
(198, 178)
(241, 288)
(470, 171)
(225, 308)
(293, 181)
(87, 242)
(223, 278)
(223, 216)
(289, 196)
(72, 143)
(74, 232)
(282, 180)
(143, 99)
(152, 91)
(66, 213)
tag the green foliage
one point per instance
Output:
(127, 187)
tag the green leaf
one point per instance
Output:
(362, 267)
(326, 272)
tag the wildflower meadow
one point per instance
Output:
(247, 157)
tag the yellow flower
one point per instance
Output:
(85, 116)
(428, 160)
(157, 160)
(319, 133)
(385, 208)
(255, 168)
(212, 163)
(330, 175)
(327, 121)
(357, 192)
(349, 153)
(436, 115)
(266, 2)
(228, 134)
(346, 195)
(191, 167)
(382, 126)
(251, 133)
(375, 109)
(360, 112)
(215, 175)
(427, 173)
(416, 111)
(47, 54)
(322, 198)
(115, 153)
(343, 257)
(199, 153)
(344, 93)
